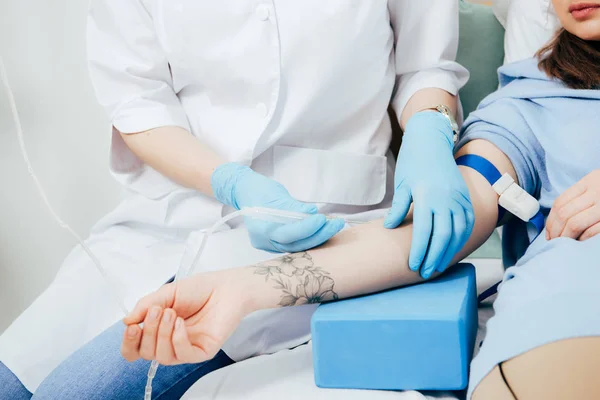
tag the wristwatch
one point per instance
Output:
(445, 111)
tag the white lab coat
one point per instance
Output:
(296, 89)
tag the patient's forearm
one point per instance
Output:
(367, 258)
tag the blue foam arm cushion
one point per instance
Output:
(419, 337)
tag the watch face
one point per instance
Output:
(454, 126)
(443, 109)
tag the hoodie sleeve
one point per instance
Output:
(503, 122)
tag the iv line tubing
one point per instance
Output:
(40, 189)
(182, 272)
(255, 212)
(64, 225)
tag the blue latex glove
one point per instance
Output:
(427, 175)
(239, 186)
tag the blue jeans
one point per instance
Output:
(97, 371)
(11, 387)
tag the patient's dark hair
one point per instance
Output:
(572, 60)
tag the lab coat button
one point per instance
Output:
(262, 12)
(262, 110)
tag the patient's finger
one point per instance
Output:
(131, 343)
(563, 209)
(149, 333)
(185, 351)
(163, 297)
(590, 232)
(578, 224)
(164, 346)
(570, 194)
(562, 216)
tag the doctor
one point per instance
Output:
(219, 105)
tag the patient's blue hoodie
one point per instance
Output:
(550, 132)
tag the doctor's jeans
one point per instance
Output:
(11, 387)
(97, 371)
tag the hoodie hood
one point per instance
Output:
(526, 69)
(524, 80)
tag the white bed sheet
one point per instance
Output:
(289, 374)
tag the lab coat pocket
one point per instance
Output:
(324, 176)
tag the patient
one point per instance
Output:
(542, 128)
(543, 343)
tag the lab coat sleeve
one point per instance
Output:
(129, 69)
(426, 44)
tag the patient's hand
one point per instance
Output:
(187, 321)
(576, 212)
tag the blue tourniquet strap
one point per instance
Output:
(491, 174)
(539, 222)
(486, 169)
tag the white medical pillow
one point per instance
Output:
(530, 24)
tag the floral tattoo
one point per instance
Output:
(298, 279)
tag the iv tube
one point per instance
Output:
(61, 223)
(264, 214)
(261, 213)
(40, 189)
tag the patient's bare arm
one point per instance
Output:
(368, 258)
(189, 322)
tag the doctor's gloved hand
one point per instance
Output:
(427, 175)
(239, 186)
